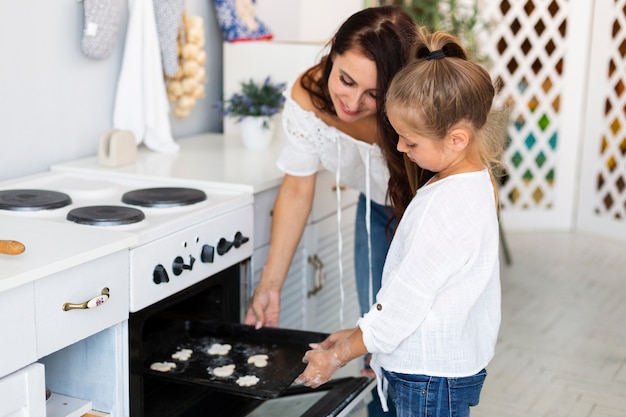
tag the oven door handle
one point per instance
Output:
(92, 303)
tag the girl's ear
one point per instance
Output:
(460, 138)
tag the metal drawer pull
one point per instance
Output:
(341, 188)
(93, 303)
(320, 275)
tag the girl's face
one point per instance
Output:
(430, 154)
(352, 86)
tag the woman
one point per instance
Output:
(334, 118)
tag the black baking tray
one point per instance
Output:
(285, 348)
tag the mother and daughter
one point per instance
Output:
(433, 326)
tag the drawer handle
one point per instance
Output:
(320, 275)
(93, 303)
(341, 188)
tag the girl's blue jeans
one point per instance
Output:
(429, 396)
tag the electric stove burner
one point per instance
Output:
(33, 200)
(164, 197)
(105, 215)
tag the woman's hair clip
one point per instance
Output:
(438, 54)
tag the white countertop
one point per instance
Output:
(213, 159)
(209, 159)
(73, 245)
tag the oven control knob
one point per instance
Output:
(178, 266)
(239, 239)
(223, 246)
(207, 254)
(159, 275)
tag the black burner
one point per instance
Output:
(105, 215)
(164, 197)
(32, 200)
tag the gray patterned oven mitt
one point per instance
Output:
(102, 23)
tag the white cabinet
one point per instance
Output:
(85, 351)
(302, 305)
(17, 329)
(23, 393)
(56, 327)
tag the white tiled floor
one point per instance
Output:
(562, 344)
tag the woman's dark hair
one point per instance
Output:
(385, 35)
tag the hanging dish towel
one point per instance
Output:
(141, 104)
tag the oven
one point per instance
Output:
(189, 268)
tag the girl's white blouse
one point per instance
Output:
(438, 310)
(312, 143)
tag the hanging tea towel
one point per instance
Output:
(141, 101)
(169, 17)
(238, 21)
(102, 23)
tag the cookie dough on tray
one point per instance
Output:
(163, 366)
(224, 371)
(260, 361)
(247, 381)
(219, 349)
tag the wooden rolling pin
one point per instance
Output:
(11, 247)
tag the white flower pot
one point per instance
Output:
(253, 132)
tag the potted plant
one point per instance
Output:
(254, 107)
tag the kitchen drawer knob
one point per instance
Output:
(93, 303)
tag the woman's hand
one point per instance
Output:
(264, 308)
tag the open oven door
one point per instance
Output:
(338, 398)
(192, 389)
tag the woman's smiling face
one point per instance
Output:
(352, 86)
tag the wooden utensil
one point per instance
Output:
(11, 247)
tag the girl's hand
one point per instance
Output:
(322, 365)
(330, 355)
(332, 340)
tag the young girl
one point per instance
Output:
(434, 325)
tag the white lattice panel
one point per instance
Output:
(538, 58)
(603, 185)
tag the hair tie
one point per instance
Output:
(438, 54)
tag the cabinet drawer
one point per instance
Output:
(263, 205)
(325, 201)
(17, 329)
(23, 393)
(57, 328)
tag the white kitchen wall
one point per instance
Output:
(301, 20)
(55, 102)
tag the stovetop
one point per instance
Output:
(98, 190)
